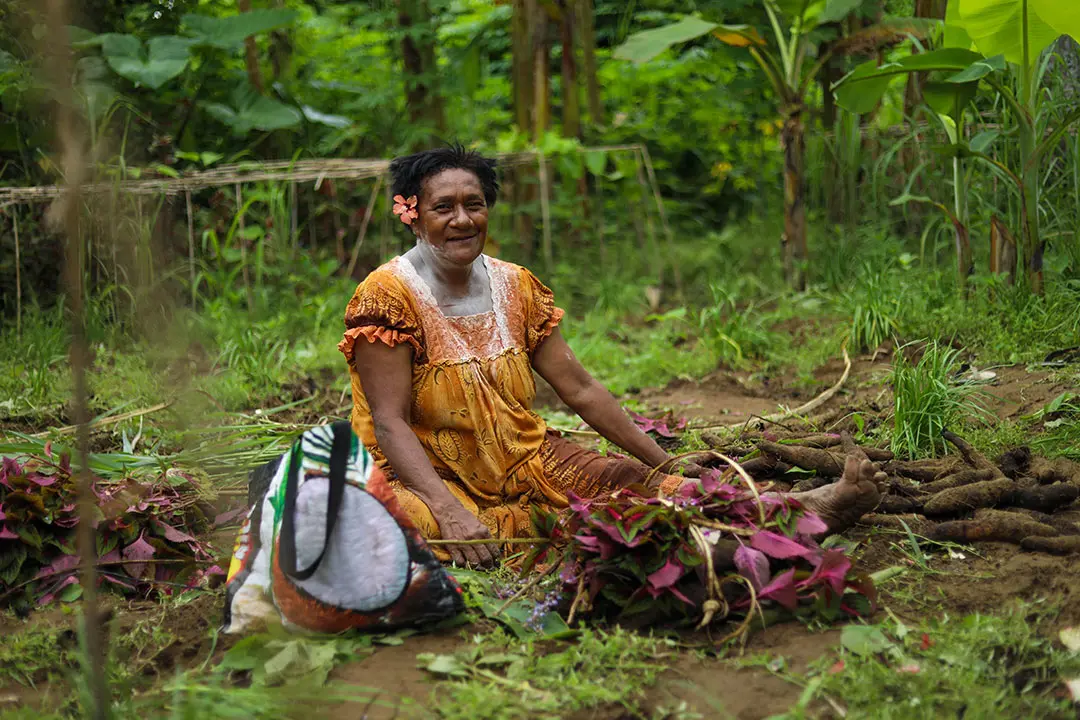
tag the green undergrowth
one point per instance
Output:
(499, 677)
(978, 666)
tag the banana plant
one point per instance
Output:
(982, 39)
(791, 55)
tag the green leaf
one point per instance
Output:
(228, 33)
(165, 58)
(443, 665)
(983, 141)
(860, 90)
(11, 562)
(864, 640)
(948, 98)
(837, 10)
(644, 46)
(596, 161)
(997, 26)
(252, 111)
(955, 34)
(335, 121)
(71, 593)
(979, 69)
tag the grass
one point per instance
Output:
(979, 666)
(501, 678)
(928, 398)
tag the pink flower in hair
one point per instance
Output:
(405, 209)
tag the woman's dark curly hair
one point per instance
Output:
(410, 172)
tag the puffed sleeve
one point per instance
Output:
(381, 310)
(541, 315)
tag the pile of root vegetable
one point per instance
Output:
(1019, 498)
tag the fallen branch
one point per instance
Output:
(103, 422)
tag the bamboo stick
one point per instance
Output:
(103, 422)
(364, 226)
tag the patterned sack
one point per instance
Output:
(325, 546)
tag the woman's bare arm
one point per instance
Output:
(386, 376)
(556, 363)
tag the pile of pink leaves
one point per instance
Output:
(719, 549)
(145, 530)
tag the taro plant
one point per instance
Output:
(1006, 34)
(791, 56)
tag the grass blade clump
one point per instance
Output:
(928, 399)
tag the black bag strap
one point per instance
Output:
(339, 458)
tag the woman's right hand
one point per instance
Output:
(460, 524)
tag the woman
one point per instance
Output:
(442, 343)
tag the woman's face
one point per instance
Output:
(453, 216)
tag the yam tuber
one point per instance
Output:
(1045, 498)
(823, 461)
(971, 456)
(991, 525)
(924, 471)
(1062, 524)
(969, 497)
(1061, 545)
(895, 504)
(959, 479)
(916, 523)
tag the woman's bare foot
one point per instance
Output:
(857, 492)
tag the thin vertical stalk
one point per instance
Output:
(191, 245)
(657, 263)
(364, 226)
(18, 274)
(59, 55)
(243, 251)
(545, 211)
(669, 238)
(294, 219)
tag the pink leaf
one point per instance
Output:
(811, 524)
(832, 571)
(675, 591)
(139, 552)
(48, 449)
(754, 566)
(778, 546)
(172, 534)
(2, 515)
(48, 598)
(228, 516)
(6, 534)
(59, 566)
(782, 590)
(666, 576)
(214, 570)
(42, 480)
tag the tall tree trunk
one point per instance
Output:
(251, 53)
(793, 140)
(524, 12)
(422, 99)
(541, 52)
(571, 100)
(586, 28)
(281, 48)
(525, 189)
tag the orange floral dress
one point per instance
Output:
(472, 396)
